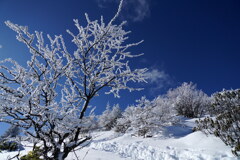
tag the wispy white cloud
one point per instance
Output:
(102, 3)
(158, 80)
(141, 9)
(135, 10)
(155, 75)
(1, 46)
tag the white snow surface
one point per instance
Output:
(176, 143)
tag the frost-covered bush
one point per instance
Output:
(10, 146)
(89, 123)
(7, 140)
(12, 132)
(147, 117)
(189, 101)
(107, 120)
(225, 100)
(226, 123)
(33, 155)
(124, 122)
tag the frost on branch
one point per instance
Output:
(101, 57)
(50, 96)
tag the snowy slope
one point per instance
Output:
(195, 146)
(176, 143)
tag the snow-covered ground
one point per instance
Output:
(176, 143)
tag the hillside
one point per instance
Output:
(175, 143)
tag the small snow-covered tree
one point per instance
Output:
(125, 121)
(143, 119)
(8, 139)
(147, 117)
(164, 111)
(189, 101)
(49, 96)
(108, 119)
(12, 132)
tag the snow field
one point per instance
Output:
(177, 143)
(146, 151)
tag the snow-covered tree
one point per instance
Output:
(108, 118)
(9, 141)
(144, 121)
(128, 116)
(226, 123)
(164, 110)
(50, 95)
(147, 117)
(12, 132)
(189, 101)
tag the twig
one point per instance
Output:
(16, 156)
(75, 154)
(81, 147)
(86, 154)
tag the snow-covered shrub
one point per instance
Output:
(33, 155)
(107, 120)
(12, 132)
(140, 117)
(7, 140)
(124, 122)
(225, 100)
(189, 101)
(147, 117)
(10, 146)
(89, 123)
(226, 123)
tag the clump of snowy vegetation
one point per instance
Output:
(147, 117)
(33, 155)
(12, 132)
(189, 101)
(226, 121)
(108, 119)
(9, 140)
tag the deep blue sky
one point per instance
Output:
(190, 40)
